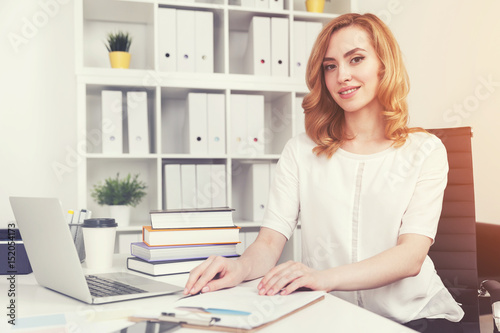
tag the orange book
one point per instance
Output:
(188, 236)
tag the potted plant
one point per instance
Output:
(120, 195)
(118, 45)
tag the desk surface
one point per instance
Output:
(332, 313)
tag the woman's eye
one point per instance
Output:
(357, 59)
(329, 67)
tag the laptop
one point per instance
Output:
(55, 263)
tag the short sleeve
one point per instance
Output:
(424, 210)
(283, 205)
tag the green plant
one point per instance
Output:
(115, 191)
(119, 41)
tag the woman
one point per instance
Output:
(367, 188)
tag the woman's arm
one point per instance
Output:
(403, 260)
(219, 272)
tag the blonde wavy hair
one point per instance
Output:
(324, 118)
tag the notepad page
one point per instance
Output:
(262, 309)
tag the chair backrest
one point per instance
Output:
(454, 250)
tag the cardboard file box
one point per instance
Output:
(13, 257)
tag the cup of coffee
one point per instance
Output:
(99, 239)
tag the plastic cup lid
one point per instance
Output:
(99, 223)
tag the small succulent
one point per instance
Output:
(119, 41)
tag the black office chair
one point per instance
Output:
(454, 250)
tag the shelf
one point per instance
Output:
(188, 81)
(124, 157)
(167, 94)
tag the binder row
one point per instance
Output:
(267, 49)
(247, 125)
(135, 137)
(205, 124)
(186, 40)
(254, 181)
(188, 186)
(305, 34)
(271, 4)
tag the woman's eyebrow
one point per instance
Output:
(347, 54)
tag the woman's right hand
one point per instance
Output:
(215, 273)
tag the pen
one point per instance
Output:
(70, 216)
(199, 309)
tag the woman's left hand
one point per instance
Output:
(290, 276)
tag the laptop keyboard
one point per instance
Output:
(102, 287)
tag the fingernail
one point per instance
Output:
(270, 292)
(259, 286)
(185, 291)
(192, 291)
(205, 289)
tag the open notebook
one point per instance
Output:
(240, 308)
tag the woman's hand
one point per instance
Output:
(213, 274)
(290, 276)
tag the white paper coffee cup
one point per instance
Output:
(99, 239)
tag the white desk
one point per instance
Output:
(329, 315)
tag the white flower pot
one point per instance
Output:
(121, 214)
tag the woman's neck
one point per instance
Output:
(366, 130)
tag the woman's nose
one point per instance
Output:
(344, 74)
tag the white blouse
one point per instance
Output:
(352, 207)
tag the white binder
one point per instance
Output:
(111, 120)
(203, 186)
(299, 62)
(299, 116)
(262, 3)
(257, 59)
(218, 185)
(272, 171)
(248, 3)
(188, 186)
(239, 131)
(216, 114)
(172, 186)
(312, 31)
(276, 4)
(185, 40)
(259, 187)
(255, 124)
(167, 39)
(196, 124)
(204, 42)
(279, 46)
(137, 119)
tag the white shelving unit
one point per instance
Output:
(167, 92)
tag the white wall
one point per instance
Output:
(452, 51)
(38, 100)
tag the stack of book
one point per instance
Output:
(179, 240)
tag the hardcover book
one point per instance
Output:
(192, 218)
(159, 253)
(167, 267)
(186, 236)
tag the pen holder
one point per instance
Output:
(77, 234)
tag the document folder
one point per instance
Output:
(185, 41)
(167, 39)
(112, 127)
(137, 119)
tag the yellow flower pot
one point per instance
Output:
(119, 59)
(315, 6)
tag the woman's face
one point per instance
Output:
(351, 68)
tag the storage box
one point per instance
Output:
(13, 257)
